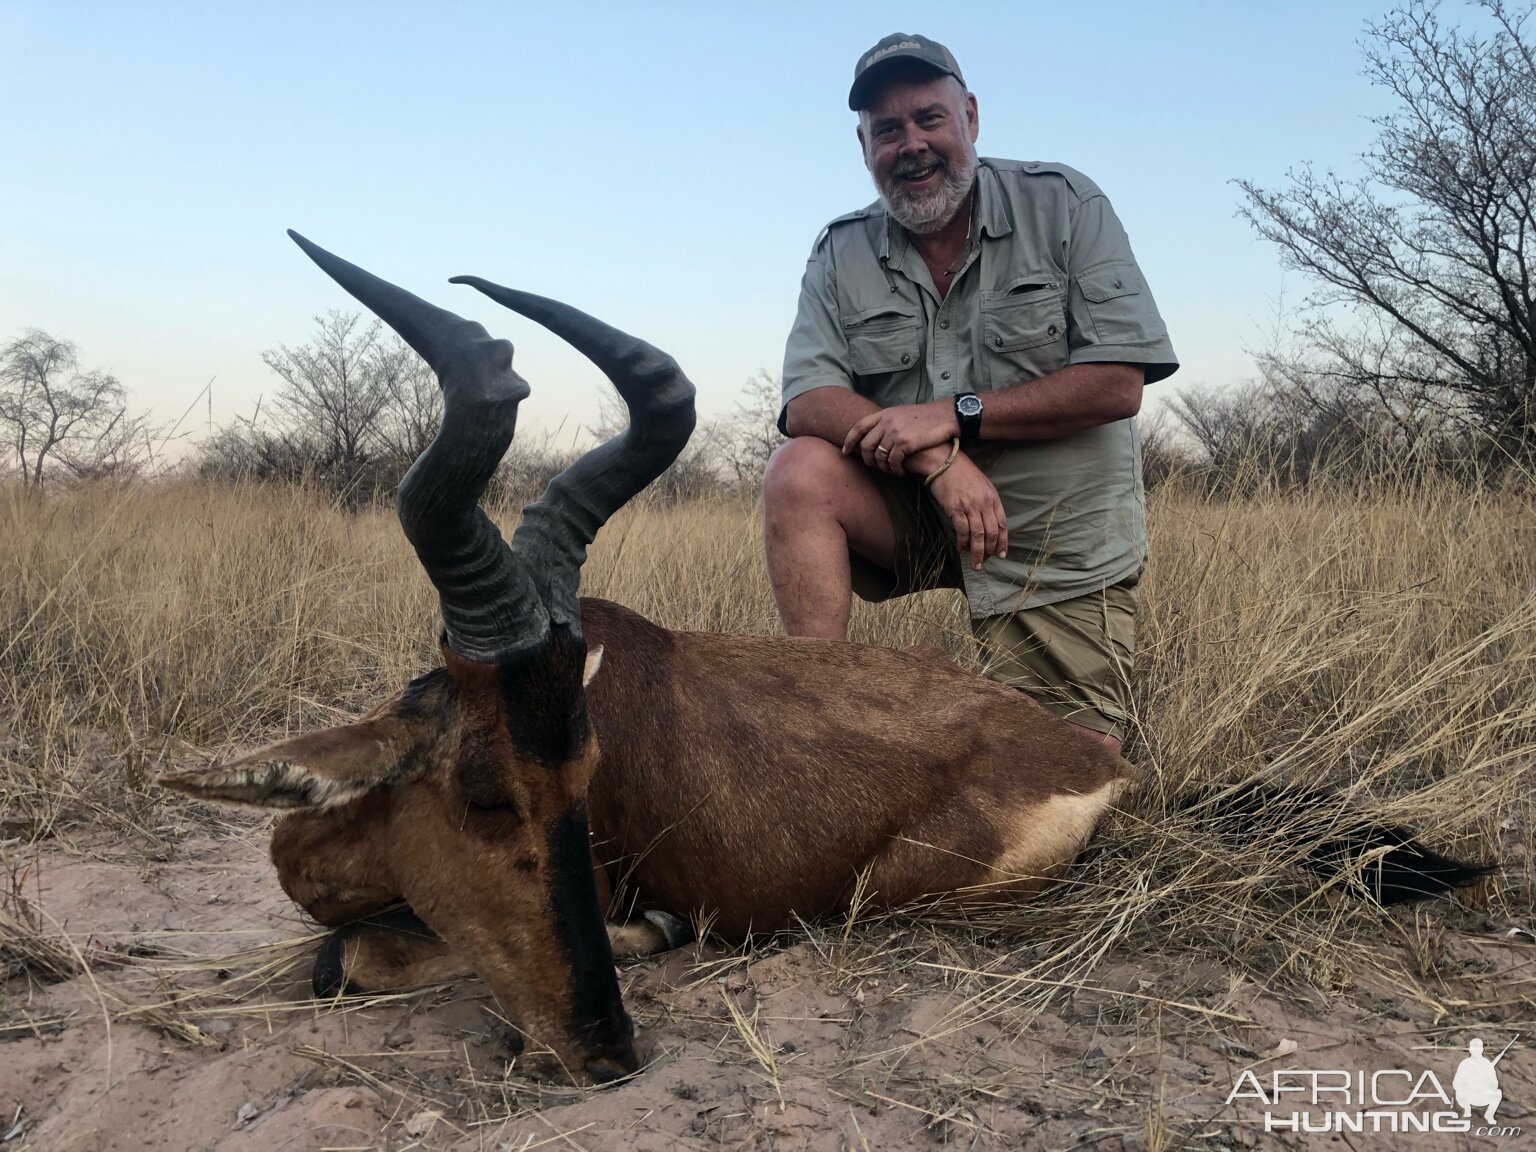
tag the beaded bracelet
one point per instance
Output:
(954, 450)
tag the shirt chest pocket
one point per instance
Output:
(882, 341)
(1023, 332)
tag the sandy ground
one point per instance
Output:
(189, 1026)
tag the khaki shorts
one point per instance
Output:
(1073, 656)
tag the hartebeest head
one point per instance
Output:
(487, 761)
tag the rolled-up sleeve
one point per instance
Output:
(1111, 314)
(816, 354)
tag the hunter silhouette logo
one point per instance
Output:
(1477, 1081)
(1386, 1100)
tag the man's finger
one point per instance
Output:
(870, 448)
(989, 525)
(1002, 527)
(961, 520)
(978, 541)
(856, 433)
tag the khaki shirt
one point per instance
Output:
(1052, 282)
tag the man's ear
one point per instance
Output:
(330, 767)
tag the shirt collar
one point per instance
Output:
(991, 204)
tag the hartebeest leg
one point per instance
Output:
(653, 932)
(395, 951)
(391, 951)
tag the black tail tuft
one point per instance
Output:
(1406, 871)
(1353, 849)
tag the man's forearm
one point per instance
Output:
(1076, 398)
(828, 414)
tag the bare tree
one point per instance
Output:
(752, 432)
(1436, 242)
(58, 417)
(250, 448)
(1164, 455)
(413, 406)
(1227, 426)
(334, 390)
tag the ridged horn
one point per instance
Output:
(489, 604)
(553, 537)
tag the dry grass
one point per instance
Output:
(1383, 643)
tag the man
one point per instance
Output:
(986, 303)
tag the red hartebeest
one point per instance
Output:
(752, 779)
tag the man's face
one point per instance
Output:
(919, 141)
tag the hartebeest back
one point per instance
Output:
(749, 779)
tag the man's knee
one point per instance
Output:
(811, 490)
(802, 471)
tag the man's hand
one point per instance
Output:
(887, 437)
(974, 508)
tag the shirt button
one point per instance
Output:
(945, 323)
(944, 376)
(997, 341)
(1051, 331)
(1118, 284)
(906, 358)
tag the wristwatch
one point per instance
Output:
(968, 413)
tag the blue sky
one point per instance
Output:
(663, 166)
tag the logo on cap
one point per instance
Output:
(881, 53)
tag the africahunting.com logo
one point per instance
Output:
(1393, 1100)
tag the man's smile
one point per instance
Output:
(921, 175)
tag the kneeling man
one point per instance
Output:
(959, 389)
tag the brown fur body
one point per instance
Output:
(753, 778)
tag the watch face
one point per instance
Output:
(968, 405)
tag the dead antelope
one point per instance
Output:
(752, 779)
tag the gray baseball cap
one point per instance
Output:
(893, 49)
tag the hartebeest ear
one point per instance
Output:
(594, 662)
(316, 770)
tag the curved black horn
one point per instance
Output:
(555, 532)
(489, 605)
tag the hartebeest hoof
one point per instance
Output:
(328, 979)
(677, 932)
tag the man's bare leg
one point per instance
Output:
(817, 504)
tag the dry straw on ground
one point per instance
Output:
(1381, 641)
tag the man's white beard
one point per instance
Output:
(924, 213)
